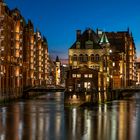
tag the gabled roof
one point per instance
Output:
(88, 37)
(117, 40)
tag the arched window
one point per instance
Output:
(92, 58)
(97, 57)
(85, 58)
(74, 57)
(81, 58)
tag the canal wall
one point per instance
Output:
(78, 99)
(9, 95)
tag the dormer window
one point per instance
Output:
(78, 45)
(89, 44)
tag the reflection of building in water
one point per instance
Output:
(75, 125)
(102, 123)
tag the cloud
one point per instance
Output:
(62, 54)
(54, 51)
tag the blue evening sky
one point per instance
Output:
(58, 20)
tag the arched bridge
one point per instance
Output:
(31, 91)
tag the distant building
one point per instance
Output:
(51, 73)
(138, 73)
(64, 69)
(58, 71)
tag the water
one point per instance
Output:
(46, 118)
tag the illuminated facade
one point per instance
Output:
(51, 72)
(138, 73)
(35, 58)
(123, 57)
(111, 53)
(57, 69)
(11, 45)
(23, 54)
(92, 51)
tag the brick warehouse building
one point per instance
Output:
(23, 54)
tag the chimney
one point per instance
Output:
(78, 35)
(89, 33)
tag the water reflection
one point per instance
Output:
(46, 118)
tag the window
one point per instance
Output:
(113, 64)
(97, 57)
(85, 58)
(73, 75)
(90, 75)
(74, 57)
(78, 75)
(78, 45)
(92, 58)
(86, 75)
(81, 58)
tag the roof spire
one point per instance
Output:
(128, 30)
(104, 40)
(57, 59)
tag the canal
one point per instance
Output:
(46, 118)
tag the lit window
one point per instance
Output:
(78, 85)
(90, 75)
(78, 75)
(113, 64)
(73, 75)
(86, 75)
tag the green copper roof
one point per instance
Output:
(104, 39)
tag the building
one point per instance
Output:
(58, 71)
(51, 72)
(28, 57)
(11, 52)
(124, 58)
(23, 54)
(35, 58)
(111, 53)
(92, 51)
(138, 73)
